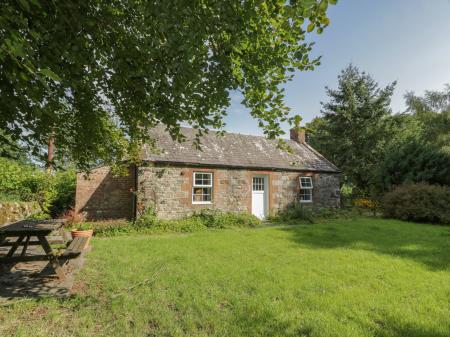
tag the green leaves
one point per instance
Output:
(99, 75)
(50, 74)
(311, 27)
(323, 5)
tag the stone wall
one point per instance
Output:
(15, 211)
(101, 195)
(169, 189)
(326, 190)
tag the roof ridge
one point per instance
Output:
(235, 133)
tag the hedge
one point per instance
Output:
(26, 182)
(419, 202)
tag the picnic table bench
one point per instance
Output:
(26, 229)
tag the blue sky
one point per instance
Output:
(407, 41)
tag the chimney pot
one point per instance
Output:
(298, 136)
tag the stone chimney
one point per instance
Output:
(298, 135)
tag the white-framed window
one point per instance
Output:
(202, 188)
(306, 189)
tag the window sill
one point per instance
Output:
(201, 203)
(306, 201)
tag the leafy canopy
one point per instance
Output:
(96, 75)
(419, 150)
(433, 112)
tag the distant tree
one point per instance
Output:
(96, 75)
(419, 149)
(433, 111)
(352, 131)
(437, 101)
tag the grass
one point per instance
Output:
(361, 277)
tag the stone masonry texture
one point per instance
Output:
(168, 189)
(15, 211)
(164, 179)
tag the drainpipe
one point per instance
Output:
(135, 197)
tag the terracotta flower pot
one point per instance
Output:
(83, 233)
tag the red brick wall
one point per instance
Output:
(101, 195)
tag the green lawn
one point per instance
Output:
(363, 277)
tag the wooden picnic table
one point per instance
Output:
(24, 230)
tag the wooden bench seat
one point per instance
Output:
(76, 247)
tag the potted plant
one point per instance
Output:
(82, 230)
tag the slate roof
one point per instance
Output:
(235, 150)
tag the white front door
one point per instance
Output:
(259, 196)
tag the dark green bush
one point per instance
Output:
(64, 185)
(298, 212)
(418, 202)
(295, 211)
(212, 218)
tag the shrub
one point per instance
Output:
(39, 187)
(24, 182)
(369, 204)
(39, 216)
(13, 176)
(217, 219)
(147, 218)
(299, 213)
(187, 225)
(366, 203)
(111, 228)
(418, 202)
(64, 185)
(8, 197)
(295, 211)
(149, 223)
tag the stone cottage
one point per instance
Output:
(231, 172)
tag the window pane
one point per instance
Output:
(202, 194)
(306, 195)
(306, 182)
(202, 179)
(258, 184)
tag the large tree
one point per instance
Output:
(352, 129)
(419, 149)
(11, 149)
(432, 110)
(96, 75)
